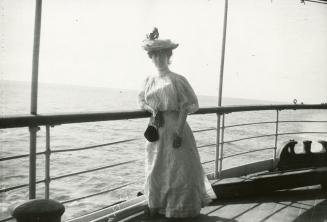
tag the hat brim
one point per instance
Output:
(155, 45)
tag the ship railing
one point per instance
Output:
(35, 121)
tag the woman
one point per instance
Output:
(175, 180)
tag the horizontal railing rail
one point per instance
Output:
(270, 135)
(98, 193)
(94, 169)
(92, 147)
(249, 124)
(19, 186)
(57, 119)
(247, 152)
(206, 145)
(249, 138)
(204, 130)
(209, 161)
(19, 156)
(302, 121)
(272, 122)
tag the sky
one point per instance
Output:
(275, 50)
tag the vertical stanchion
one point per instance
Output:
(36, 52)
(222, 58)
(32, 159)
(47, 163)
(276, 134)
(222, 63)
(221, 153)
(35, 68)
(217, 147)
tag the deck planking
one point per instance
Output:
(306, 204)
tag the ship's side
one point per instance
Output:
(222, 172)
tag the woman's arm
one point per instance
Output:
(187, 103)
(149, 109)
(177, 136)
(181, 122)
(142, 103)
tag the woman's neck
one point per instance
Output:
(163, 71)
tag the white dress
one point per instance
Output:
(175, 181)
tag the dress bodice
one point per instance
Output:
(170, 92)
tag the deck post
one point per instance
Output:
(217, 147)
(39, 210)
(32, 159)
(221, 150)
(222, 58)
(34, 89)
(47, 163)
(276, 134)
(36, 52)
(222, 63)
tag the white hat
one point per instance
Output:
(152, 43)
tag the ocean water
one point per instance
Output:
(15, 99)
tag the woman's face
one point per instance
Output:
(160, 59)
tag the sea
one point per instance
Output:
(60, 99)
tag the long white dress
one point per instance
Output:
(175, 180)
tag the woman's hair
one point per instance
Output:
(168, 52)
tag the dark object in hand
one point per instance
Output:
(151, 133)
(177, 140)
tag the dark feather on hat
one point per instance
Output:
(153, 35)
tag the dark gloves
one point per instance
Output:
(177, 140)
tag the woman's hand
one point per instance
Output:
(177, 140)
(152, 111)
(149, 109)
(177, 137)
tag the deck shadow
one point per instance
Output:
(312, 205)
(318, 213)
(286, 195)
(199, 218)
(207, 218)
(310, 202)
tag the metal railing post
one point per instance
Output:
(217, 147)
(32, 159)
(276, 134)
(36, 52)
(221, 150)
(47, 163)
(222, 58)
(34, 89)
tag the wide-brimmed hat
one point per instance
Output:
(152, 43)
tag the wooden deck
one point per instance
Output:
(307, 204)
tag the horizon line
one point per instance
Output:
(120, 89)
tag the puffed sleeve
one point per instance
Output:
(141, 95)
(187, 99)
